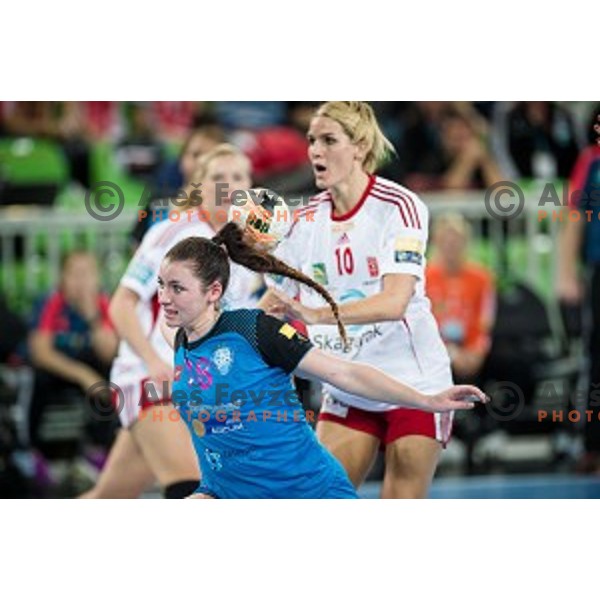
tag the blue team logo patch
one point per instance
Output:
(222, 358)
(408, 257)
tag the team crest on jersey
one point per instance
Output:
(373, 266)
(320, 273)
(344, 239)
(223, 359)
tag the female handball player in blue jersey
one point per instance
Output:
(232, 383)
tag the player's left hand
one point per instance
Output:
(459, 397)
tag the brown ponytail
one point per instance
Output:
(232, 237)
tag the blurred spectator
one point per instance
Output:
(421, 150)
(176, 175)
(233, 116)
(579, 255)
(300, 114)
(173, 119)
(276, 150)
(536, 140)
(102, 119)
(463, 297)
(63, 122)
(452, 139)
(72, 343)
(592, 134)
(141, 152)
(468, 163)
(393, 118)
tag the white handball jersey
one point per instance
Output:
(141, 277)
(385, 233)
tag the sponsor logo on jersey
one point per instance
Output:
(213, 459)
(198, 427)
(228, 427)
(356, 342)
(334, 407)
(407, 257)
(320, 273)
(373, 266)
(409, 251)
(344, 239)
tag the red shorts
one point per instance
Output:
(389, 425)
(131, 399)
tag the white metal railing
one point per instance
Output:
(33, 240)
(524, 247)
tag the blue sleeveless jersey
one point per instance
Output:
(233, 389)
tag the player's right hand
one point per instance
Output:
(458, 397)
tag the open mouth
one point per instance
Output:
(319, 168)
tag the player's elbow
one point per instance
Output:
(393, 310)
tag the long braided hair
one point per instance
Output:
(211, 263)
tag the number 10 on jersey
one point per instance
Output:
(344, 260)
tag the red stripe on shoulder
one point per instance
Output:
(313, 204)
(396, 194)
(396, 203)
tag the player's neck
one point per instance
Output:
(202, 325)
(347, 194)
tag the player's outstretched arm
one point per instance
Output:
(369, 382)
(388, 305)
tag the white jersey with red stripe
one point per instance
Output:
(141, 277)
(386, 233)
